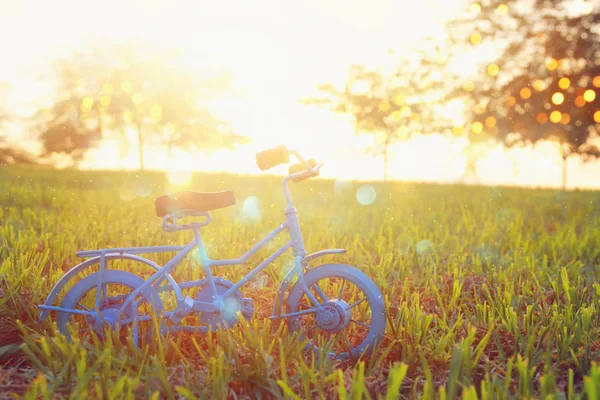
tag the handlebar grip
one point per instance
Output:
(268, 159)
(301, 167)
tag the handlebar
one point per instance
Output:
(294, 169)
(270, 158)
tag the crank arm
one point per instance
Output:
(294, 314)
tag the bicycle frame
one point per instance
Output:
(291, 224)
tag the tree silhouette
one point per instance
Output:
(11, 154)
(114, 90)
(391, 107)
(543, 85)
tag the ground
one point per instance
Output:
(490, 292)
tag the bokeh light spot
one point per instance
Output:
(503, 9)
(251, 208)
(525, 93)
(477, 127)
(127, 191)
(565, 119)
(475, 8)
(596, 81)
(541, 118)
(126, 86)
(137, 99)
(399, 100)
(384, 106)
(510, 101)
(425, 247)
(403, 244)
(366, 195)
(558, 98)
(490, 122)
(231, 306)
(86, 104)
(156, 111)
(551, 64)
(579, 101)
(105, 101)
(589, 95)
(469, 86)
(475, 38)
(555, 116)
(539, 85)
(597, 117)
(564, 83)
(493, 69)
(143, 188)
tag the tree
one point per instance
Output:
(391, 107)
(113, 90)
(11, 154)
(543, 84)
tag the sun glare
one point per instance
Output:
(179, 178)
(267, 74)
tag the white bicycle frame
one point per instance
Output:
(291, 224)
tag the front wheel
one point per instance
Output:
(352, 309)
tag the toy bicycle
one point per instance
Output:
(330, 301)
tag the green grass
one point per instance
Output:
(491, 292)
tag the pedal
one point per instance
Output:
(182, 310)
(247, 310)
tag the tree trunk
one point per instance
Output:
(169, 150)
(140, 145)
(385, 163)
(564, 171)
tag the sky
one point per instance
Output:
(277, 52)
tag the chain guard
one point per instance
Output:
(232, 304)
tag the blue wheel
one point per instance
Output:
(116, 288)
(352, 316)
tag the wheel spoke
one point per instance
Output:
(319, 292)
(307, 307)
(358, 302)
(84, 307)
(341, 289)
(361, 323)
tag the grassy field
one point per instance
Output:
(491, 292)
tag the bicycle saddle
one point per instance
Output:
(196, 201)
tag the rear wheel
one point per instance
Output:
(98, 317)
(352, 314)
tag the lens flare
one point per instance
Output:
(251, 208)
(403, 244)
(127, 191)
(425, 247)
(366, 195)
(179, 178)
(143, 188)
(231, 306)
